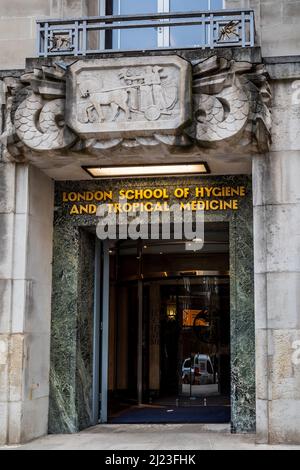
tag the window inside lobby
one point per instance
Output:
(150, 38)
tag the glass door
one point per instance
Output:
(169, 330)
(193, 342)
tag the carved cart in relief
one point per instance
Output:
(145, 92)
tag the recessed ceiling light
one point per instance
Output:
(147, 170)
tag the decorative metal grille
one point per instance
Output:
(85, 36)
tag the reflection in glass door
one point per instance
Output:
(194, 342)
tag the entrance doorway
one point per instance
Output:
(169, 331)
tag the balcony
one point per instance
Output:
(183, 30)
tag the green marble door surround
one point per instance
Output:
(73, 293)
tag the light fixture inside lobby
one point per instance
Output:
(171, 309)
(147, 170)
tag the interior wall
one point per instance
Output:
(122, 344)
(154, 342)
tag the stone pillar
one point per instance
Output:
(277, 272)
(26, 206)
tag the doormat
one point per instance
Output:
(195, 414)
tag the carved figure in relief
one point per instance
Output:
(60, 42)
(150, 87)
(143, 94)
(116, 98)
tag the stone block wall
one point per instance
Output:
(276, 25)
(18, 28)
(26, 206)
(276, 201)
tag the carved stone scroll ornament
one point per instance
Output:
(35, 113)
(123, 105)
(231, 100)
(40, 124)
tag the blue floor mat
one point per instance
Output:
(195, 414)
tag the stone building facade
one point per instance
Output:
(235, 108)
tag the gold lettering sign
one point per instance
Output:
(127, 200)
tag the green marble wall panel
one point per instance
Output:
(71, 368)
(72, 329)
(62, 412)
(85, 315)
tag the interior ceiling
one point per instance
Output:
(216, 240)
(213, 247)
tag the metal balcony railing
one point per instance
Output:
(85, 36)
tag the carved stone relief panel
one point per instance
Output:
(166, 105)
(129, 96)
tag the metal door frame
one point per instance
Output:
(101, 329)
(101, 333)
